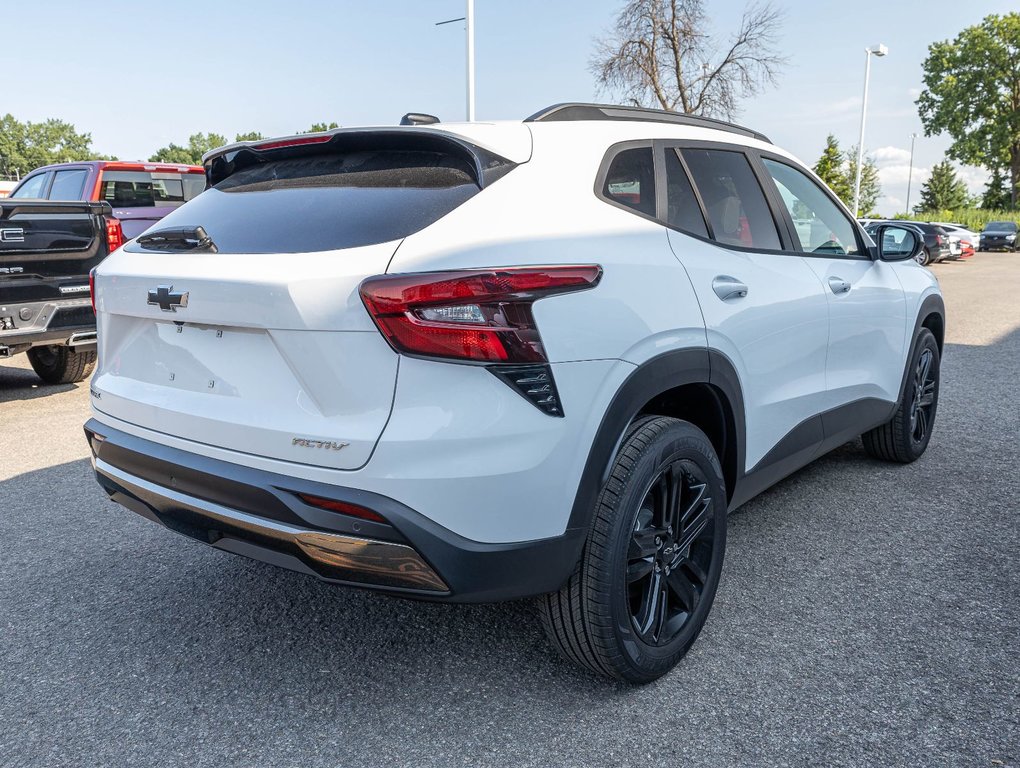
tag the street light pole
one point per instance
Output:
(876, 50)
(470, 17)
(910, 173)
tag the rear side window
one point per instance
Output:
(733, 199)
(328, 201)
(142, 189)
(68, 185)
(682, 209)
(32, 187)
(630, 180)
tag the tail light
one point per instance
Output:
(92, 288)
(938, 239)
(114, 234)
(471, 315)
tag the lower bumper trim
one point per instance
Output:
(330, 555)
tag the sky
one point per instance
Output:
(140, 74)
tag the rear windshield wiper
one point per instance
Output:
(178, 239)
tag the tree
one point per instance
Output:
(663, 53)
(943, 190)
(871, 187)
(26, 146)
(250, 136)
(996, 194)
(198, 145)
(972, 92)
(831, 169)
(837, 169)
(320, 127)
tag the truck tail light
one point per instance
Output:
(480, 315)
(92, 288)
(114, 234)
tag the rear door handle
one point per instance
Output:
(839, 285)
(727, 287)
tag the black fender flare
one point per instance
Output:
(653, 377)
(932, 304)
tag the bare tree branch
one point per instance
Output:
(662, 53)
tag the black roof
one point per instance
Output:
(580, 111)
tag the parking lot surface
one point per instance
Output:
(869, 614)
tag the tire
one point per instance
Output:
(924, 257)
(61, 365)
(641, 592)
(906, 435)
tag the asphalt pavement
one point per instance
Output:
(869, 614)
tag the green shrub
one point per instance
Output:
(971, 218)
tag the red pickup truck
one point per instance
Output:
(139, 193)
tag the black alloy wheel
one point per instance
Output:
(923, 401)
(670, 553)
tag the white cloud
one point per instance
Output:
(889, 156)
(974, 178)
(896, 175)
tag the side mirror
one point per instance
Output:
(898, 243)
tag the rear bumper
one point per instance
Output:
(68, 322)
(258, 514)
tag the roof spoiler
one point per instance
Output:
(225, 161)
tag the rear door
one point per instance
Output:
(867, 307)
(763, 306)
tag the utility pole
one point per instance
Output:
(875, 50)
(469, 23)
(910, 173)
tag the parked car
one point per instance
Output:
(481, 362)
(139, 193)
(960, 231)
(999, 235)
(936, 241)
(46, 252)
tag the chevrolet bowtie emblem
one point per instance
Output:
(167, 299)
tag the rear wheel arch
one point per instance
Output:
(678, 383)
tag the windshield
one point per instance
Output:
(1001, 226)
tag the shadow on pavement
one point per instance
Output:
(23, 384)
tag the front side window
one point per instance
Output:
(820, 225)
(734, 201)
(68, 185)
(32, 187)
(630, 180)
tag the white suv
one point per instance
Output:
(486, 361)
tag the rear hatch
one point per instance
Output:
(237, 321)
(141, 196)
(48, 248)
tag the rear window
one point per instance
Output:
(630, 180)
(328, 201)
(143, 189)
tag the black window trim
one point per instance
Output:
(785, 230)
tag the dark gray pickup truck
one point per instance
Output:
(46, 252)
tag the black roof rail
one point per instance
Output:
(580, 111)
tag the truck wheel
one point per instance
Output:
(650, 566)
(906, 435)
(61, 365)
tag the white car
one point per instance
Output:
(487, 361)
(961, 233)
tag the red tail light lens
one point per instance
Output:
(114, 234)
(481, 315)
(343, 507)
(92, 288)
